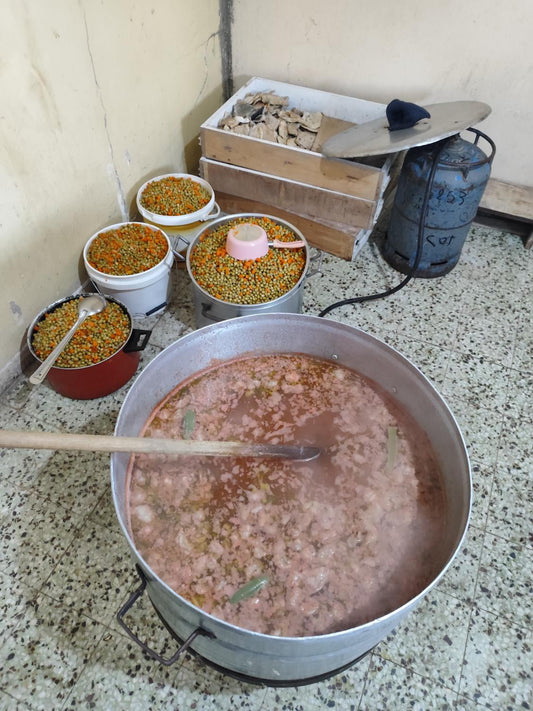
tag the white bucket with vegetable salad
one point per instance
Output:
(179, 204)
(143, 250)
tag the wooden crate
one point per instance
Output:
(346, 195)
(288, 194)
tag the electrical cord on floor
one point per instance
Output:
(419, 246)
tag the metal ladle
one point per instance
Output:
(88, 306)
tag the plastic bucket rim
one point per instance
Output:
(176, 220)
(122, 280)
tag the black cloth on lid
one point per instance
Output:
(403, 114)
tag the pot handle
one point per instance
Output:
(317, 268)
(166, 661)
(137, 341)
(175, 243)
(206, 313)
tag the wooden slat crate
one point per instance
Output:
(346, 195)
(288, 194)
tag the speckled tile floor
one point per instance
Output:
(65, 568)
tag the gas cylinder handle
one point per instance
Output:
(166, 661)
(480, 134)
(468, 165)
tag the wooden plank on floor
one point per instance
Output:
(508, 199)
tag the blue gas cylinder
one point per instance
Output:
(448, 194)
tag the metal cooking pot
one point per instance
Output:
(239, 651)
(208, 309)
(99, 379)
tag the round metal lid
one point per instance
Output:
(374, 138)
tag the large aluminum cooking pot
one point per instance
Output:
(240, 651)
(208, 309)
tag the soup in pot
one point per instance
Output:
(284, 547)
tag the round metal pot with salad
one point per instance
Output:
(102, 355)
(225, 287)
(277, 623)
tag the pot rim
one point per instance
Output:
(125, 277)
(217, 622)
(56, 305)
(228, 218)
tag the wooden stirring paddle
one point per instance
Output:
(109, 443)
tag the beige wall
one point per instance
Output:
(416, 50)
(97, 96)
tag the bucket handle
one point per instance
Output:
(184, 646)
(175, 240)
(215, 212)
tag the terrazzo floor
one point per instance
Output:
(65, 567)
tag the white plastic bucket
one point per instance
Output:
(144, 293)
(207, 212)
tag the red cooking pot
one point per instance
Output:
(98, 379)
